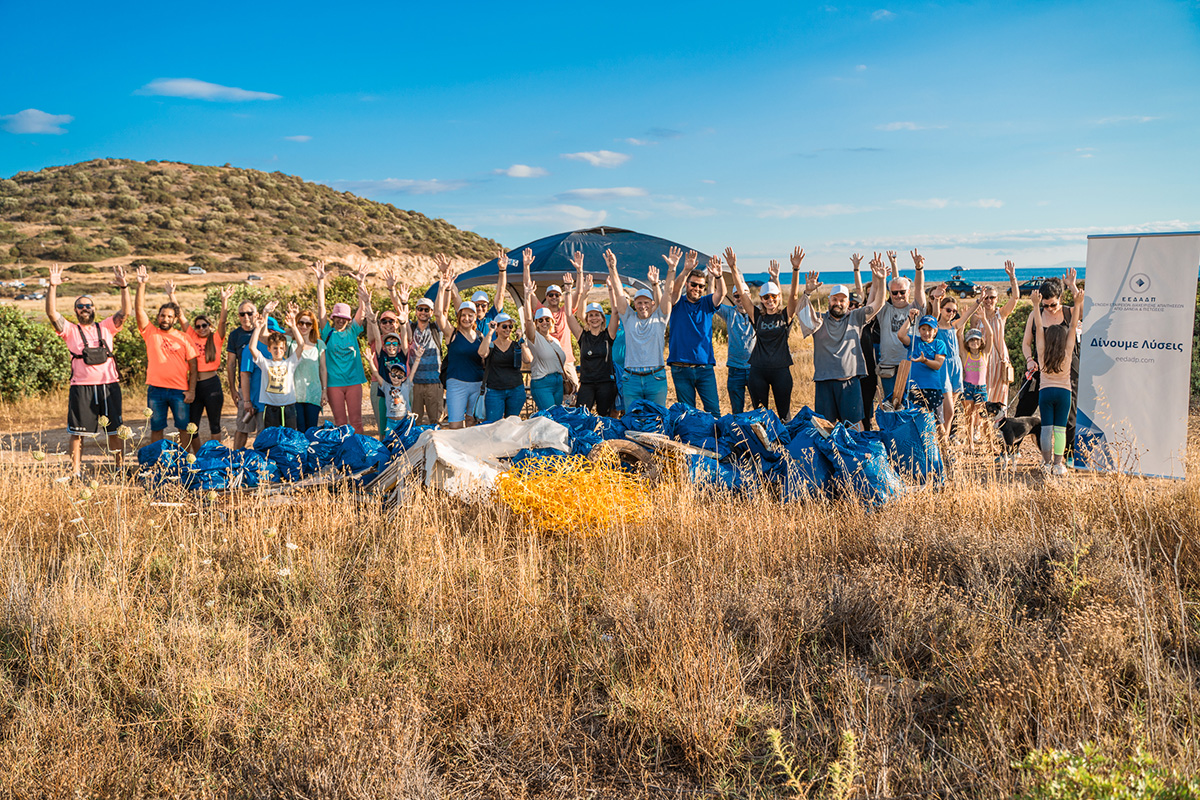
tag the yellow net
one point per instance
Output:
(574, 495)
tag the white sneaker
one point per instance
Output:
(1059, 470)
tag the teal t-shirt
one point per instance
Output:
(343, 357)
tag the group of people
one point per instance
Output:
(455, 361)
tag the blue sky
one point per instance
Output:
(975, 131)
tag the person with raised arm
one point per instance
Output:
(277, 390)
(771, 360)
(739, 329)
(238, 382)
(395, 321)
(903, 296)
(975, 351)
(928, 380)
(838, 358)
(209, 343)
(1056, 393)
(559, 314)
(343, 354)
(690, 348)
(1000, 372)
(645, 333)
(547, 358)
(311, 373)
(870, 381)
(95, 393)
(462, 364)
(503, 356)
(170, 366)
(1052, 311)
(597, 381)
(486, 308)
(948, 324)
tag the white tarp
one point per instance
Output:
(1136, 353)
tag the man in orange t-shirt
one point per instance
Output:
(170, 366)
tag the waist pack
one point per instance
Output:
(885, 372)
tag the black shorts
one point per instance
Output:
(86, 404)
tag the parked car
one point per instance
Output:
(196, 270)
(960, 285)
(1028, 286)
(252, 278)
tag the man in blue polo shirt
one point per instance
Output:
(689, 340)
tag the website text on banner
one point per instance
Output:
(1136, 353)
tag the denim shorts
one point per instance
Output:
(160, 400)
(460, 398)
(975, 392)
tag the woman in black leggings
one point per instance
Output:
(597, 385)
(771, 359)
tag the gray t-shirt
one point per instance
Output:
(837, 347)
(891, 319)
(644, 339)
(548, 356)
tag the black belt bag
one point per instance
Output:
(93, 355)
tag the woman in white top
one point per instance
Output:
(549, 359)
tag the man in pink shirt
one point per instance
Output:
(95, 394)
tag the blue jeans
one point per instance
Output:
(547, 390)
(307, 416)
(501, 403)
(460, 398)
(652, 387)
(735, 384)
(159, 400)
(690, 381)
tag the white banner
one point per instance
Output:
(1136, 353)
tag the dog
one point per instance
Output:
(1013, 431)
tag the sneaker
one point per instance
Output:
(1046, 469)
(1059, 470)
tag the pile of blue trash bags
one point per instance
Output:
(796, 460)
(278, 454)
(793, 459)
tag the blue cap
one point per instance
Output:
(929, 320)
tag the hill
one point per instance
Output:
(171, 215)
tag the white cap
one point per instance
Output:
(768, 288)
(426, 302)
(466, 305)
(841, 288)
(643, 293)
(542, 313)
(502, 317)
(480, 297)
(593, 307)
(554, 287)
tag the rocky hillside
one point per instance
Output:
(172, 216)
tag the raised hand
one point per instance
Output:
(938, 292)
(269, 308)
(170, 287)
(1035, 297)
(877, 268)
(672, 257)
(610, 260)
(292, 310)
(118, 279)
(797, 258)
(389, 278)
(691, 260)
(568, 279)
(577, 260)
(812, 283)
(527, 257)
(142, 275)
(227, 293)
(363, 272)
(918, 259)
(404, 291)
(773, 271)
(417, 350)
(56, 277)
(856, 260)
(714, 266)
(652, 274)
(1071, 284)
(913, 313)
(586, 285)
(891, 256)
(731, 259)
(318, 270)
(1010, 269)
(442, 262)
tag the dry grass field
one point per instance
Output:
(173, 645)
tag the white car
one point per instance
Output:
(197, 271)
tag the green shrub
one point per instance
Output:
(1093, 776)
(1014, 331)
(129, 349)
(35, 359)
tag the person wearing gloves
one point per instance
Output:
(503, 356)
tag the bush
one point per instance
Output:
(1093, 776)
(130, 351)
(1014, 331)
(35, 359)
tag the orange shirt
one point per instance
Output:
(199, 343)
(167, 356)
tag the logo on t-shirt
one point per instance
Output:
(276, 378)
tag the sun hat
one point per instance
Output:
(593, 307)
(480, 297)
(643, 293)
(554, 287)
(841, 288)
(502, 317)
(542, 313)
(768, 288)
(341, 310)
(929, 320)
(466, 305)
(425, 301)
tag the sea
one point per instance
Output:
(932, 276)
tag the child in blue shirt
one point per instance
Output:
(927, 374)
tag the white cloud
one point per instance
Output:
(907, 126)
(398, 186)
(882, 15)
(523, 171)
(201, 90)
(707, 180)
(563, 215)
(933, 202)
(776, 211)
(639, 142)
(33, 121)
(986, 202)
(1085, 152)
(1119, 120)
(1026, 238)
(599, 158)
(300, 138)
(861, 68)
(603, 194)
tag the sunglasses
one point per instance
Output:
(696, 285)
(899, 291)
(245, 313)
(388, 321)
(306, 323)
(554, 294)
(504, 327)
(391, 344)
(84, 306)
(201, 326)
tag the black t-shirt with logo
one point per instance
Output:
(595, 357)
(771, 339)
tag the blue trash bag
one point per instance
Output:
(255, 468)
(163, 453)
(861, 466)
(648, 416)
(286, 448)
(414, 433)
(323, 440)
(706, 470)
(910, 436)
(535, 454)
(582, 427)
(735, 437)
(610, 428)
(809, 471)
(214, 449)
(359, 452)
(694, 427)
(209, 473)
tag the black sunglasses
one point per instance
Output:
(84, 306)
(307, 322)
(899, 291)
(696, 285)
(245, 313)
(201, 326)
(504, 326)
